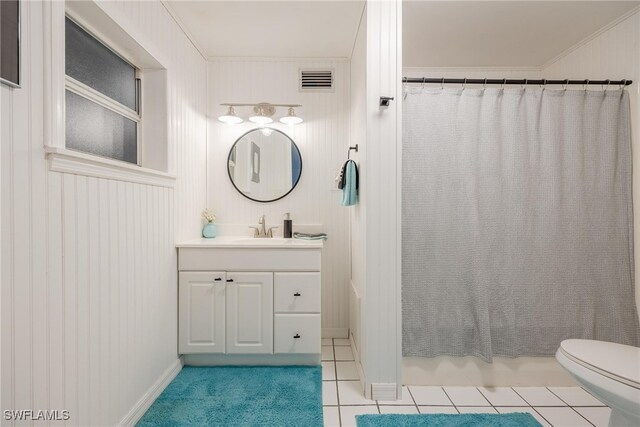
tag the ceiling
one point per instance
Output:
(499, 33)
(435, 33)
(294, 28)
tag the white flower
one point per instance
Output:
(208, 215)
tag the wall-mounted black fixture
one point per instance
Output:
(385, 101)
(355, 147)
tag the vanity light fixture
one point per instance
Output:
(230, 117)
(262, 114)
(291, 118)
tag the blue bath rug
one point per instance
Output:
(517, 419)
(240, 396)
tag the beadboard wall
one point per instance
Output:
(89, 289)
(358, 134)
(322, 138)
(612, 54)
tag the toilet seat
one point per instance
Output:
(616, 361)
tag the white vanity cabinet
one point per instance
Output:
(249, 300)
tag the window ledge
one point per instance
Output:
(76, 163)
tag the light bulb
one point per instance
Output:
(291, 118)
(261, 120)
(261, 115)
(230, 117)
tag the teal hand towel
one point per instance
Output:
(350, 191)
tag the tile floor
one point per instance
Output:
(551, 406)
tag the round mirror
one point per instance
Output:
(264, 165)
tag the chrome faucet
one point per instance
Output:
(262, 232)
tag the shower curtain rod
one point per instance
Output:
(444, 81)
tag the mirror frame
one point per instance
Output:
(274, 130)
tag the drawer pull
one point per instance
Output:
(229, 280)
(217, 279)
(297, 294)
(296, 336)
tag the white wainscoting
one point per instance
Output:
(322, 138)
(88, 264)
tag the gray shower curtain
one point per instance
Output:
(517, 221)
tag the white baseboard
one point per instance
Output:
(384, 391)
(141, 406)
(335, 332)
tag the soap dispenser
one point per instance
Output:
(287, 232)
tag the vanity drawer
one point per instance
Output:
(296, 333)
(297, 292)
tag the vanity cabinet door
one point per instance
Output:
(201, 312)
(249, 313)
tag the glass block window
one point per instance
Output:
(102, 98)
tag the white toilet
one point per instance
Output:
(611, 372)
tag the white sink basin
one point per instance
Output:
(264, 241)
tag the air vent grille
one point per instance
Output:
(316, 80)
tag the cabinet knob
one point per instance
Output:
(217, 279)
(229, 280)
(297, 294)
(296, 336)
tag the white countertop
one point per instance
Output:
(251, 242)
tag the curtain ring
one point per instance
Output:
(464, 84)
(564, 84)
(442, 84)
(423, 81)
(623, 84)
(484, 85)
(544, 83)
(524, 85)
(586, 85)
(504, 82)
(608, 83)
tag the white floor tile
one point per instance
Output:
(466, 396)
(476, 410)
(528, 409)
(327, 352)
(329, 393)
(426, 395)
(397, 409)
(405, 401)
(347, 371)
(341, 341)
(539, 396)
(348, 413)
(327, 341)
(331, 416)
(599, 417)
(562, 416)
(502, 396)
(575, 396)
(350, 393)
(438, 409)
(343, 353)
(328, 371)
